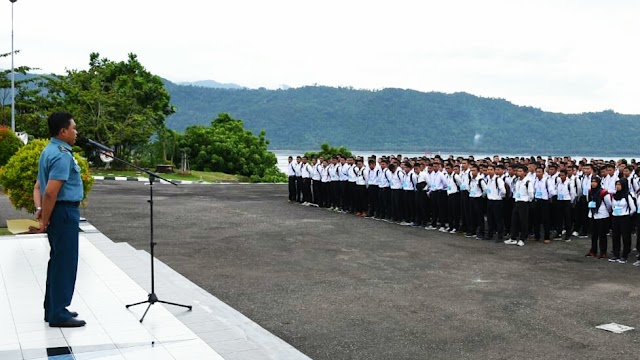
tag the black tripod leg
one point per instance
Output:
(174, 304)
(145, 312)
(140, 303)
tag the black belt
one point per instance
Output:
(68, 203)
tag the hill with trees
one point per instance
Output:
(407, 120)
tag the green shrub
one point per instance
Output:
(271, 175)
(19, 175)
(9, 144)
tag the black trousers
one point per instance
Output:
(508, 211)
(360, 198)
(477, 216)
(409, 205)
(564, 212)
(621, 229)
(306, 190)
(582, 216)
(396, 204)
(335, 193)
(341, 196)
(317, 195)
(439, 208)
(464, 209)
(421, 203)
(292, 188)
(495, 214)
(599, 229)
(299, 187)
(325, 194)
(454, 206)
(556, 217)
(520, 220)
(541, 218)
(384, 203)
(372, 195)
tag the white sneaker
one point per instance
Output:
(442, 229)
(453, 231)
(510, 242)
(637, 263)
(430, 227)
(564, 232)
(520, 243)
(575, 233)
(404, 223)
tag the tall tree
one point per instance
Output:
(118, 103)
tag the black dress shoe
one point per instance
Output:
(72, 313)
(70, 323)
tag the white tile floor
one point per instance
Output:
(102, 290)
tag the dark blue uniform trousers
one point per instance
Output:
(63, 263)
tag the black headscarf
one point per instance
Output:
(624, 193)
(594, 194)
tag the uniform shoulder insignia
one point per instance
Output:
(62, 148)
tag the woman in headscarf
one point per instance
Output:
(599, 207)
(623, 207)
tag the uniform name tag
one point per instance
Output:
(488, 191)
(433, 186)
(592, 204)
(560, 196)
(463, 187)
(518, 196)
(449, 187)
(585, 191)
(539, 194)
(617, 211)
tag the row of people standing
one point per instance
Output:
(486, 199)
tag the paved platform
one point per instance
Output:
(111, 275)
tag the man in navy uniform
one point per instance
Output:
(57, 195)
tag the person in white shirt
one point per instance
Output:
(291, 173)
(316, 179)
(609, 181)
(336, 184)
(623, 207)
(344, 180)
(523, 194)
(299, 186)
(395, 183)
(565, 198)
(305, 173)
(477, 189)
(420, 194)
(384, 192)
(325, 185)
(350, 188)
(360, 196)
(496, 192)
(454, 201)
(582, 223)
(599, 207)
(424, 186)
(409, 197)
(438, 195)
(544, 191)
(508, 176)
(465, 179)
(372, 174)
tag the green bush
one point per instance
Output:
(19, 175)
(328, 151)
(9, 144)
(272, 175)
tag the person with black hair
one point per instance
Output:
(325, 185)
(544, 191)
(306, 171)
(408, 199)
(372, 176)
(384, 192)
(583, 221)
(395, 183)
(299, 186)
(57, 194)
(453, 197)
(477, 191)
(496, 192)
(623, 208)
(291, 173)
(360, 191)
(566, 194)
(523, 193)
(599, 207)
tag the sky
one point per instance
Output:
(569, 56)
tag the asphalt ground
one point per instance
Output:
(340, 287)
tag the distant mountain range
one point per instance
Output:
(212, 84)
(406, 120)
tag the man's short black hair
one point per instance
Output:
(58, 121)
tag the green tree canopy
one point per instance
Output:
(227, 147)
(9, 144)
(328, 151)
(118, 103)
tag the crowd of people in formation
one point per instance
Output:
(508, 200)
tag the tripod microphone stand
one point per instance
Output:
(153, 298)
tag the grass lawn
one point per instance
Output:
(194, 176)
(4, 231)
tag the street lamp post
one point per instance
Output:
(13, 78)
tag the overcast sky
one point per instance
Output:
(564, 56)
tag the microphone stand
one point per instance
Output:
(153, 298)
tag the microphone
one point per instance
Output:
(95, 144)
